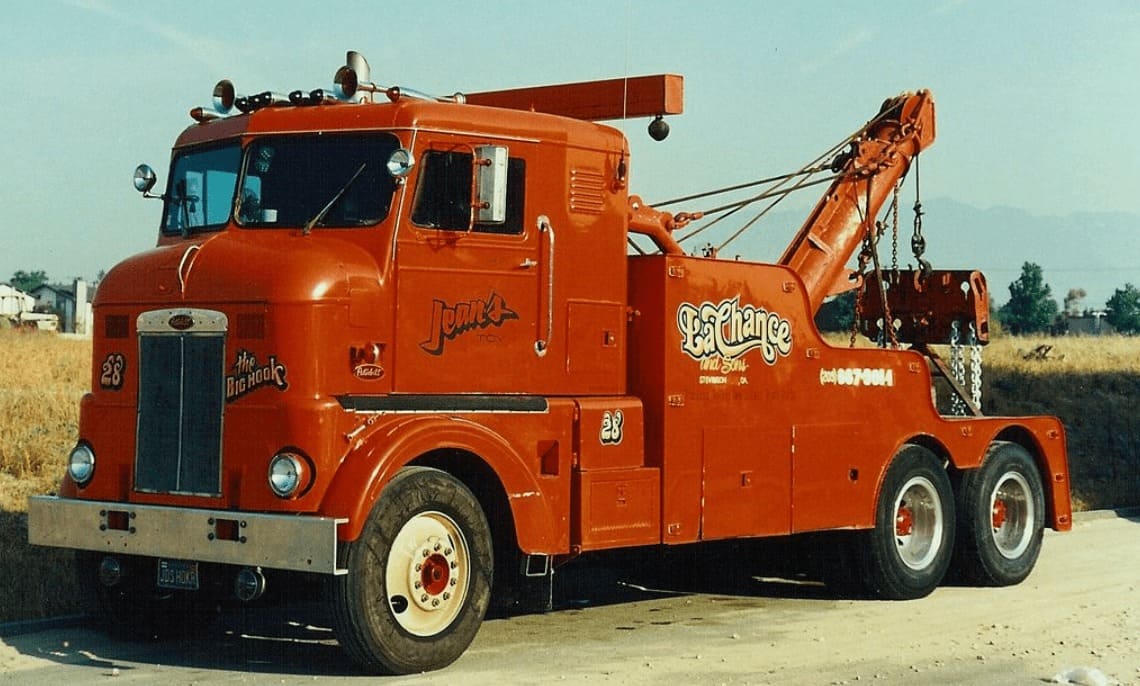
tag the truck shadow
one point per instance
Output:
(296, 638)
(777, 568)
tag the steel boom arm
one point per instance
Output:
(879, 156)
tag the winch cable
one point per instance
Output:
(776, 190)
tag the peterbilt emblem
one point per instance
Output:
(181, 322)
(365, 361)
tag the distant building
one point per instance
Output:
(1089, 324)
(13, 301)
(73, 304)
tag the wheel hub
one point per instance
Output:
(918, 523)
(999, 514)
(432, 577)
(904, 522)
(1012, 515)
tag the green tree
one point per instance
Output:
(28, 281)
(1124, 309)
(837, 314)
(1031, 308)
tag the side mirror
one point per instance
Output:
(490, 184)
(144, 180)
(400, 163)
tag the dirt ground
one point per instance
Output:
(1079, 609)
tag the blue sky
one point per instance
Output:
(1036, 100)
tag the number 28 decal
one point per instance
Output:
(114, 366)
(612, 427)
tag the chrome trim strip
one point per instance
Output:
(205, 321)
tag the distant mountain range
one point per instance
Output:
(1096, 251)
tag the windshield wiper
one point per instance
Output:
(325, 210)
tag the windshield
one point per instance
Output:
(334, 180)
(201, 189)
(331, 180)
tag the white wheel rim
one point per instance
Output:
(427, 574)
(1012, 515)
(918, 523)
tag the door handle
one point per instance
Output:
(547, 231)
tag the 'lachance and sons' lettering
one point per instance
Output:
(729, 330)
(449, 321)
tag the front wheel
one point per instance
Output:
(419, 576)
(908, 552)
(1001, 510)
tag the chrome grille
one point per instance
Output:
(180, 402)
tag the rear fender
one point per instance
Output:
(1044, 438)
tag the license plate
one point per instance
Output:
(178, 574)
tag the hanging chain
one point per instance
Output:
(895, 234)
(917, 241)
(975, 368)
(957, 370)
(864, 259)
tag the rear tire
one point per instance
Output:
(1001, 518)
(908, 552)
(419, 577)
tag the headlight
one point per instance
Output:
(81, 464)
(288, 474)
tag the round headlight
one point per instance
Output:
(286, 474)
(81, 464)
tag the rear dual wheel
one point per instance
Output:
(908, 552)
(1001, 510)
(419, 576)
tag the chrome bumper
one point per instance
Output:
(273, 541)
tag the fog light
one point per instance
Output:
(110, 571)
(81, 464)
(249, 584)
(287, 474)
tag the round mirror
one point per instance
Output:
(145, 178)
(400, 163)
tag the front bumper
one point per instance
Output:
(273, 541)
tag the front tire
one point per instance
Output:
(1001, 510)
(419, 577)
(908, 552)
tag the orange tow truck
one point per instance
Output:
(401, 342)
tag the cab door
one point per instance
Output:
(469, 266)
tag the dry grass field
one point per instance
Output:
(1091, 383)
(42, 378)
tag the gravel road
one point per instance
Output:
(1079, 609)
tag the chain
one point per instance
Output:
(864, 258)
(895, 234)
(917, 241)
(957, 369)
(858, 315)
(975, 368)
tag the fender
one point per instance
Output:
(393, 442)
(966, 447)
(1044, 438)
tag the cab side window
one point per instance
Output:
(443, 196)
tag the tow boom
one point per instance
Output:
(878, 158)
